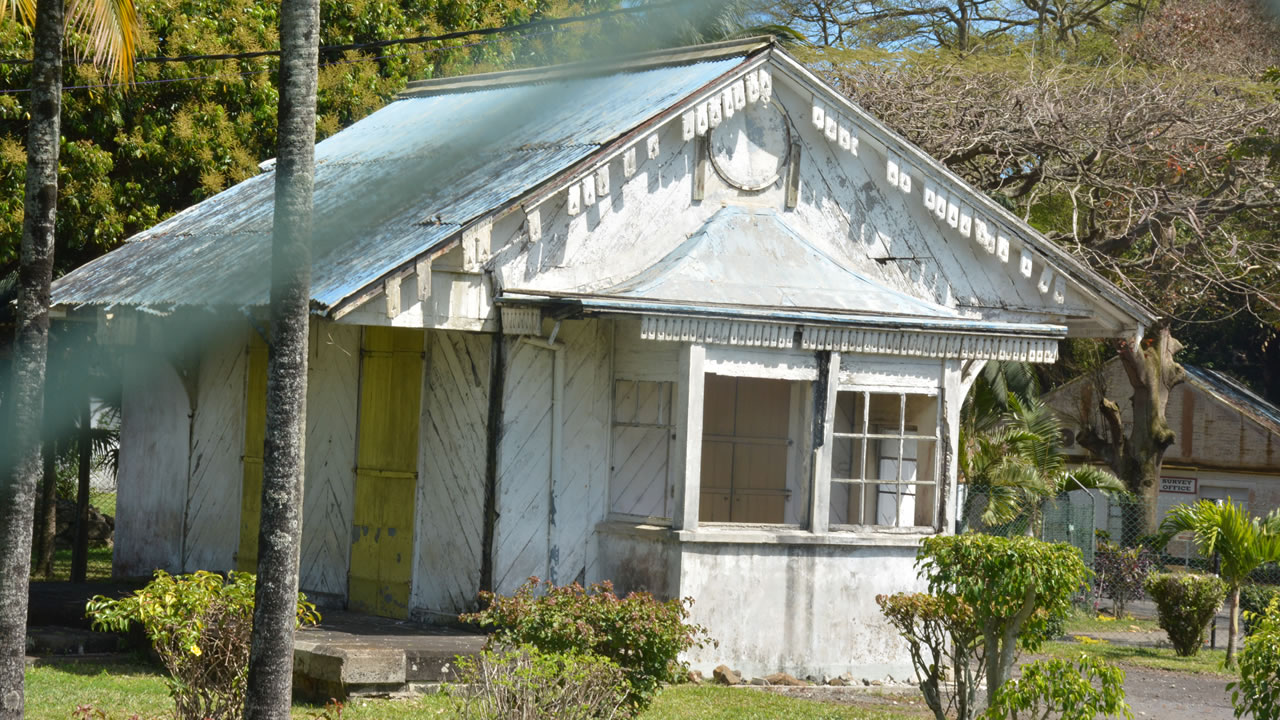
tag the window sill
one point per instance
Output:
(765, 535)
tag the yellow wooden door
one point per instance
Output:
(745, 440)
(386, 471)
(255, 433)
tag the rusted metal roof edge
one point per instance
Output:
(1086, 276)
(542, 191)
(1234, 394)
(588, 68)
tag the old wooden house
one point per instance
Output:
(1227, 439)
(689, 321)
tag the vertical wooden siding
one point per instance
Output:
(328, 494)
(386, 471)
(450, 522)
(217, 443)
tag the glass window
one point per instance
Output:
(883, 463)
(749, 474)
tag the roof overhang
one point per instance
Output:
(810, 329)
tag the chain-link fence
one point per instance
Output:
(1083, 518)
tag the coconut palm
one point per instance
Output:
(1019, 465)
(1242, 541)
(112, 29)
(280, 530)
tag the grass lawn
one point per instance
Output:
(1206, 662)
(98, 569)
(1087, 621)
(122, 689)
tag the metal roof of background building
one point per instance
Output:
(1234, 393)
(395, 185)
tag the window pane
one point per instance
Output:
(747, 451)
(850, 413)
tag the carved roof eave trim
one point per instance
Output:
(873, 341)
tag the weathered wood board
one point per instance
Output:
(329, 491)
(450, 515)
(386, 471)
(154, 463)
(217, 444)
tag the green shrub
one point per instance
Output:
(200, 625)
(1254, 600)
(1119, 573)
(1059, 688)
(990, 595)
(1257, 693)
(945, 646)
(1186, 603)
(530, 684)
(642, 635)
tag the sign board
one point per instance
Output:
(1184, 485)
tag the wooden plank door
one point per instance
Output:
(255, 433)
(386, 471)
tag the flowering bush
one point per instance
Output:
(200, 626)
(1119, 573)
(642, 635)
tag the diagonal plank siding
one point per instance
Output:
(450, 521)
(332, 397)
(581, 493)
(521, 535)
(545, 528)
(217, 442)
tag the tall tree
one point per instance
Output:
(270, 688)
(113, 27)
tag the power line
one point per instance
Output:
(263, 71)
(535, 24)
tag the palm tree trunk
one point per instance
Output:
(270, 687)
(1234, 631)
(22, 467)
(46, 529)
(80, 550)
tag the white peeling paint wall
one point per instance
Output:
(217, 444)
(451, 471)
(154, 441)
(333, 394)
(635, 560)
(581, 490)
(800, 609)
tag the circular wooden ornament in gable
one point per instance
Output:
(750, 149)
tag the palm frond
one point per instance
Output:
(113, 29)
(1091, 477)
(24, 10)
(1242, 541)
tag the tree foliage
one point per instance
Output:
(188, 130)
(1257, 693)
(1018, 464)
(1241, 541)
(1016, 590)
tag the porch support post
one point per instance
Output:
(688, 446)
(824, 412)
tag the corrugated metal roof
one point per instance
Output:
(1233, 393)
(388, 189)
(753, 258)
